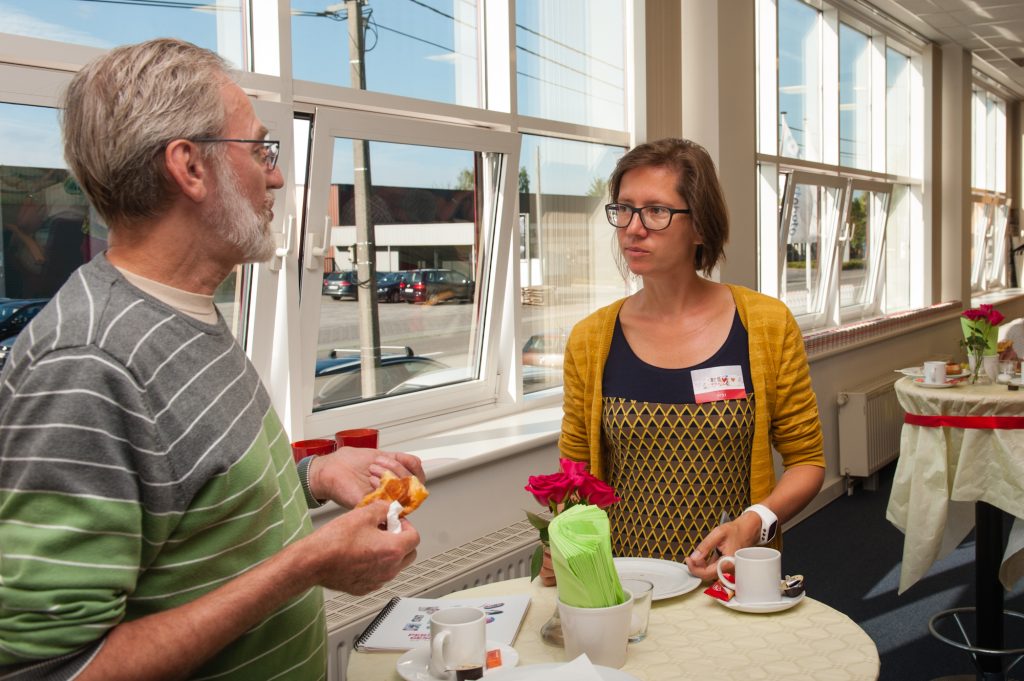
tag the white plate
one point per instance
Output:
(950, 382)
(668, 577)
(528, 672)
(784, 603)
(413, 665)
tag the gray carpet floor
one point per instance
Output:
(850, 556)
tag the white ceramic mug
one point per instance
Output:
(458, 638)
(934, 373)
(601, 633)
(758, 574)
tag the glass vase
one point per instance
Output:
(974, 366)
(551, 631)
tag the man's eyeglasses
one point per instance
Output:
(268, 151)
(653, 218)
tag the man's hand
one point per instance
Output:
(353, 554)
(350, 473)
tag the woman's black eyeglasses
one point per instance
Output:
(654, 218)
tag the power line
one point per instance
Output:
(567, 47)
(567, 67)
(169, 4)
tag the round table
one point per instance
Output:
(960, 467)
(693, 637)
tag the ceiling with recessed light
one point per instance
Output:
(992, 29)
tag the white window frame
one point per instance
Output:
(329, 124)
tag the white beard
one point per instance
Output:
(244, 227)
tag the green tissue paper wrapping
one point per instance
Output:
(581, 555)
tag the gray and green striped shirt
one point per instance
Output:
(141, 466)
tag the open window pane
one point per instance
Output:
(811, 214)
(216, 25)
(861, 254)
(413, 49)
(415, 213)
(566, 247)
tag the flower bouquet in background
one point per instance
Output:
(981, 335)
(570, 486)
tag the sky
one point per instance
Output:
(416, 48)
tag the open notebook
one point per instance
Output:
(404, 623)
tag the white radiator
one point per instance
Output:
(870, 421)
(504, 554)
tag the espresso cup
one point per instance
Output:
(758, 572)
(458, 640)
(934, 373)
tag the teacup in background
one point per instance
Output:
(934, 373)
(758, 573)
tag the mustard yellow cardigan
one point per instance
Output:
(786, 410)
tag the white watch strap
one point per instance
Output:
(769, 523)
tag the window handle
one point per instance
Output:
(318, 251)
(281, 252)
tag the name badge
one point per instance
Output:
(718, 383)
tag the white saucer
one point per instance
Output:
(784, 603)
(413, 665)
(950, 382)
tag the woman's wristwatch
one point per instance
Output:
(769, 523)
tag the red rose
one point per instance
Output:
(575, 471)
(551, 489)
(597, 493)
(973, 314)
(995, 317)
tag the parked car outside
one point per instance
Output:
(437, 286)
(338, 378)
(545, 350)
(340, 285)
(5, 349)
(16, 313)
(389, 286)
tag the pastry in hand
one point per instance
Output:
(409, 492)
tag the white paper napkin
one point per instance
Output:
(579, 669)
(394, 524)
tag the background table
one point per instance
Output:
(692, 637)
(961, 461)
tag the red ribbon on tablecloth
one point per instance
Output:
(983, 422)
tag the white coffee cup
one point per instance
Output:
(758, 574)
(458, 638)
(934, 373)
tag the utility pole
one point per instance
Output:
(366, 249)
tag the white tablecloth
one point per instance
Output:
(692, 637)
(942, 471)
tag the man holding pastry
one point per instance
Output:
(153, 524)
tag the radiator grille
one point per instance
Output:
(870, 421)
(503, 554)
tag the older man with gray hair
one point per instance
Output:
(152, 522)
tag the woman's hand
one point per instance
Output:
(724, 540)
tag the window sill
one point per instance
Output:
(448, 452)
(996, 297)
(828, 342)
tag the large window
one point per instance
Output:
(835, 244)
(440, 231)
(990, 237)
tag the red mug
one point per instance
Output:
(357, 437)
(304, 448)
